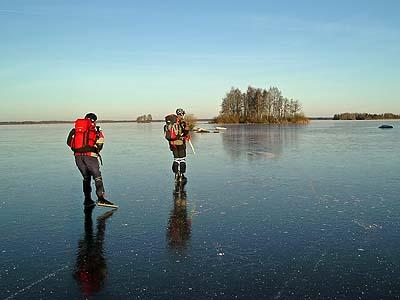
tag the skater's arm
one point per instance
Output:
(100, 140)
(185, 129)
(70, 137)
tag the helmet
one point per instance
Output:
(180, 112)
(91, 116)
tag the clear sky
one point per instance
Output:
(121, 59)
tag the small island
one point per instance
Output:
(144, 119)
(260, 106)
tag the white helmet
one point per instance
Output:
(180, 112)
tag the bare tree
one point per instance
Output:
(259, 105)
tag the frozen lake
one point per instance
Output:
(279, 212)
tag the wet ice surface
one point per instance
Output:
(268, 212)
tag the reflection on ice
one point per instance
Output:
(179, 223)
(91, 267)
(258, 141)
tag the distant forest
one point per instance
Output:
(258, 105)
(365, 116)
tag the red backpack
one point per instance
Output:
(85, 136)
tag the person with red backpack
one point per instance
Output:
(86, 141)
(176, 131)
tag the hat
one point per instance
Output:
(91, 116)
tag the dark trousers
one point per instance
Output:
(179, 164)
(89, 167)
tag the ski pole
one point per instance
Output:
(191, 145)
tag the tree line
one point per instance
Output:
(364, 116)
(144, 119)
(258, 105)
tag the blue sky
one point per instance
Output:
(121, 59)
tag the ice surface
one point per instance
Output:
(298, 212)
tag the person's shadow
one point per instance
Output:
(179, 223)
(91, 267)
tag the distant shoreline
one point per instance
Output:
(56, 122)
(52, 122)
(71, 122)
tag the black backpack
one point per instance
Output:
(171, 127)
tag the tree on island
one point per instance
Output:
(365, 116)
(144, 119)
(259, 106)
